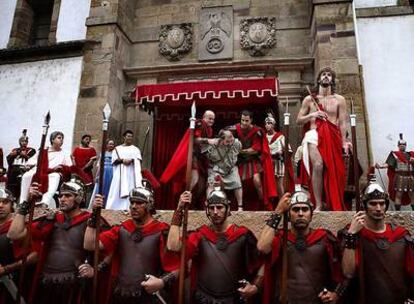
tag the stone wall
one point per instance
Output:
(255, 221)
(309, 35)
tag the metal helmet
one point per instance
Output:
(6, 195)
(217, 196)
(300, 197)
(144, 193)
(401, 141)
(24, 136)
(270, 119)
(75, 187)
(373, 191)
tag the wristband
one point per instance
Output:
(274, 220)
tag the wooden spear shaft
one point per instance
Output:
(188, 177)
(283, 294)
(36, 178)
(358, 205)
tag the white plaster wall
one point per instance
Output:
(7, 8)
(29, 90)
(386, 50)
(374, 3)
(72, 18)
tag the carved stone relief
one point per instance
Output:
(216, 33)
(175, 40)
(258, 35)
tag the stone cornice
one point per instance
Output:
(219, 67)
(38, 53)
(386, 11)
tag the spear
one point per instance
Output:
(355, 156)
(32, 203)
(188, 176)
(105, 122)
(357, 200)
(283, 287)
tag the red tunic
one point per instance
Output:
(82, 156)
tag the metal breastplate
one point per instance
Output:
(65, 253)
(220, 269)
(386, 262)
(308, 273)
(137, 258)
(6, 250)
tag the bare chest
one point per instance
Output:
(330, 105)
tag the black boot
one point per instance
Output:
(397, 207)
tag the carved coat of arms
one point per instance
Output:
(258, 35)
(175, 40)
(216, 33)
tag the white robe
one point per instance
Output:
(311, 137)
(125, 178)
(55, 158)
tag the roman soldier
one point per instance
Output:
(222, 254)
(400, 171)
(314, 271)
(276, 141)
(17, 161)
(63, 270)
(379, 254)
(11, 253)
(142, 269)
(254, 158)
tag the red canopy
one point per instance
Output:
(215, 92)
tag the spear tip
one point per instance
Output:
(193, 110)
(47, 117)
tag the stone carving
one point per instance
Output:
(176, 40)
(216, 33)
(258, 35)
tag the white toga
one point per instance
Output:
(125, 178)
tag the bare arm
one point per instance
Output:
(265, 242)
(173, 241)
(348, 259)
(17, 229)
(343, 118)
(304, 116)
(90, 232)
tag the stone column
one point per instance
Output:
(22, 25)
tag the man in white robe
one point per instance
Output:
(126, 161)
(58, 162)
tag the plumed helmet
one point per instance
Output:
(144, 193)
(6, 195)
(270, 119)
(300, 196)
(75, 187)
(24, 136)
(217, 195)
(401, 141)
(373, 191)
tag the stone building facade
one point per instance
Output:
(107, 47)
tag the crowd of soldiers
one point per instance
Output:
(51, 258)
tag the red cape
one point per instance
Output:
(313, 237)
(330, 148)
(405, 200)
(392, 235)
(40, 233)
(43, 176)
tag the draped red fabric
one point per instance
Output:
(330, 148)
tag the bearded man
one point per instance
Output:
(325, 118)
